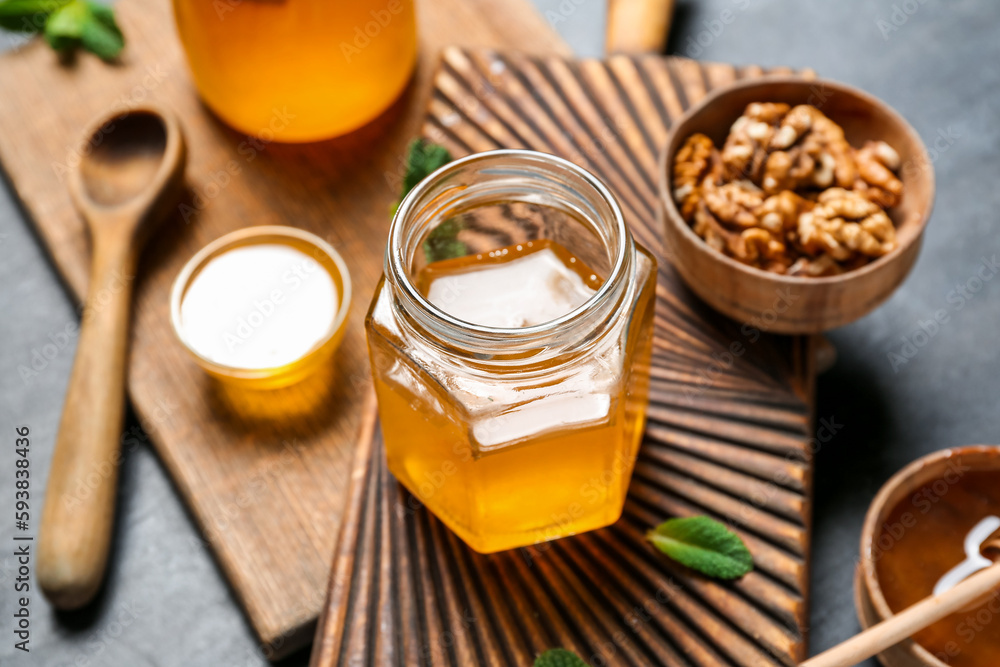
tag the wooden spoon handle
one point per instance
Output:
(638, 26)
(75, 531)
(908, 622)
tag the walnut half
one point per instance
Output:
(691, 163)
(844, 224)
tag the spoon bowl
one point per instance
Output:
(131, 169)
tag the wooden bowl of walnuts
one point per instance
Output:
(792, 205)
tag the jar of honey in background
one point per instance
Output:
(510, 342)
(302, 70)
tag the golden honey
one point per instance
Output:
(263, 307)
(519, 286)
(298, 70)
(512, 379)
(924, 537)
(259, 306)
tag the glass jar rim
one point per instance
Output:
(395, 261)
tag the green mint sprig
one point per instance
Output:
(703, 544)
(66, 24)
(423, 159)
(559, 657)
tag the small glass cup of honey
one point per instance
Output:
(510, 341)
(262, 307)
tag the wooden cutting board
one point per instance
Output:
(265, 475)
(728, 435)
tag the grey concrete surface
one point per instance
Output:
(166, 602)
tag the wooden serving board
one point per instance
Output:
(265, 475)
(728, 436)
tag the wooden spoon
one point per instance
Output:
(638, 26)
(128, 178)
(918, 616)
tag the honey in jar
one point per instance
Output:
(523, 285)
(510, 343)
(298, 70)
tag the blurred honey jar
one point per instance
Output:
(298, 70)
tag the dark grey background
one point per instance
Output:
(166, 602)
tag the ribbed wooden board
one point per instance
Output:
(727, 440)
(265, 475)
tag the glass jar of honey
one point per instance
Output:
(298, 70)
(510, 341)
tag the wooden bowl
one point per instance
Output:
(869, 600)
(788, 304)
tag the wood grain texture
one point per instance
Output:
(728, 436)
(265, 475)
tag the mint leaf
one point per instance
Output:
(423, 158)
(103, 13)
(27, 15)
(442, 242)
(67, 24)
(101, 35)
(703, 544)
(559, 657)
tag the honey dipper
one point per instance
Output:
(918, 616)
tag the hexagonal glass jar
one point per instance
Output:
(515, 435)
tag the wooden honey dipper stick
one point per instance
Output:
(915, 618)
